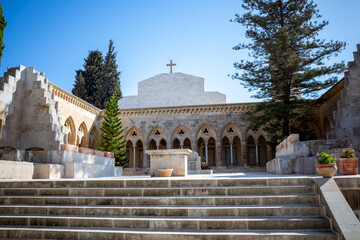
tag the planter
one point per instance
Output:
(165, 172)
(326, 170)
(203, 164)
(348, 166)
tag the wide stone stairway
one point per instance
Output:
(169, 208)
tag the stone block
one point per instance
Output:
(16, 170)
(69, 147)
(169, 159)
(86, 150)
(99, 153)
(48, 171)
(109, 154)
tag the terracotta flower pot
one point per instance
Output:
(326, 170)
(348, 166)
(165, 172)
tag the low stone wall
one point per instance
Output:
(350, 188)
(344, 221)
(16, 170)
(292, 146)
(85, 165)
(48, 171)
(292, 165)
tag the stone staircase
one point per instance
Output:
(168, 208)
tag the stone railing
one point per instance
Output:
(184, 110)
(65, 95)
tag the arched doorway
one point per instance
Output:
(237, 160)
(226, 154)
(262, 149)
(130, 154)
(162, 144)
(152, 145)
(187, 144)
(69, 130)
(176, 144)
(82, 139)
(139, 154)
(211, 152)
(251, 151)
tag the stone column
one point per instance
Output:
(206, 153)
(218, 153)
(257, 155)
(231, 155)
(134, 164)
(146, 161)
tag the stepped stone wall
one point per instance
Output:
(347, 116)
(32, 120)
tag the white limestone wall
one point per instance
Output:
(171, 89)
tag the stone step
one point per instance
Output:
(161, 223)
(176, 191)
(158, 182)
(73, 233)
(307, 199)
(276, 210)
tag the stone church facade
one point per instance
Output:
(193, 119)
(171, 110)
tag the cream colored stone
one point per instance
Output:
(169, 159)
(16, 170)
(48, 171)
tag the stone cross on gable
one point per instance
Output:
(171, 65)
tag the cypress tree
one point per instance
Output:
(93, 70)
(2, 28)
(288, 61)
(79, 89)
(109, 83)
(112, 138)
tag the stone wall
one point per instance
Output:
(82, 116)
(194, 122)
(347, 116)
(32, 120)
(171, 89)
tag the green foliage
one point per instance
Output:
(349, 152)
(288, 61)
(101, 78)
(109, 83)
(112, 138)
(94, 66)
(79, 86)
(325, 158)
(2, 28)
(203, 159)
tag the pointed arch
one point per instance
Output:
(70, 131)
(231, 131)
(262, 151)
(157, 134)
(251, 151)
(82, 136)
(134, 135)
(181, 133)
(206, 131)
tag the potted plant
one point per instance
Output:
(326, 165)
(165, 172)
(203, 162)
(348, 164)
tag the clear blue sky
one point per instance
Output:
(55, 36)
